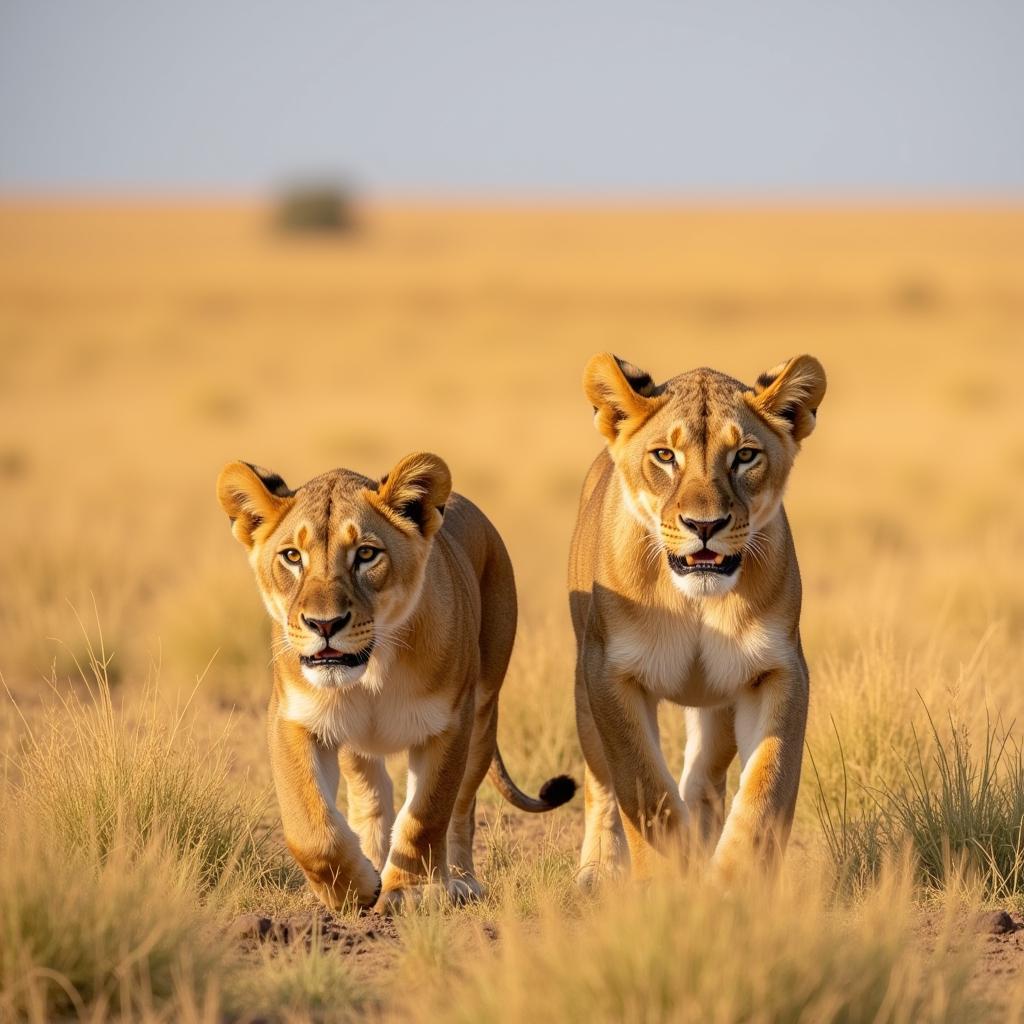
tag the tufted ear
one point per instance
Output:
(791, 391)
(252, 497)
(416, 491)
(622, 394)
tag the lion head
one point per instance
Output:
(703, 459)
(339, 561)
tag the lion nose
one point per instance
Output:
(327, 627)
(706, 528)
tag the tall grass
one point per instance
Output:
(96, 775)
(962, 810)
(116, 934)
(957, 806)
(124, 844)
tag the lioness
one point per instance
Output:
(685, 587)
(394, 612)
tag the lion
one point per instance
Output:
(684, 587)
(393, 610)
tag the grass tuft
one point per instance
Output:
(119, 933)
(123, 847)
(310, 984)
(957, 807)
(98, 776)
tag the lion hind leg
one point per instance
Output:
(605, 851)
(462, 829)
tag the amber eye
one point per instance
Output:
(293, 556)
(664, 455)
(746, 455)
(365, 553)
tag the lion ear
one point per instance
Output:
(416, 491)
(792, 392)
(252, 497)
(623, 395)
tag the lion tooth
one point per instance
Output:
(719, 559)
(689, 559)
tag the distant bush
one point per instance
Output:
(316, 208)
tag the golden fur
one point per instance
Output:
(394, 612)
(697, 464)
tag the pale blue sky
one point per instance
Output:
(777, 98)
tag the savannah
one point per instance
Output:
(144, 345)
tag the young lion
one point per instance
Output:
(685, 587)
(394, 612)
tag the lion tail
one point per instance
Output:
(555, 792)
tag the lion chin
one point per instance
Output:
(333, 669)
(332, 677)
(699, 578)
(702, 585)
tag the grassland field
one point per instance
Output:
(143, 345)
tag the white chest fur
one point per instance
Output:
(696, 656)
(375, 716)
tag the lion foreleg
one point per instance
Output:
(319, 838)
(652, 812)
(710, 748)
(371, 806)
(418, 861)
(770, 721)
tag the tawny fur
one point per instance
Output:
(726, 648)
(419, 578)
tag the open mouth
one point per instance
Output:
(329, 656)
(704, 560)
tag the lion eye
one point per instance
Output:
(293, 556)
(365, 553)
(664, 455)
(746, 455)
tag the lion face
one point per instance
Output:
(340, 561)
(703, 460)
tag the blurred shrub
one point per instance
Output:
(316, 208)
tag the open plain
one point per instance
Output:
(142, 346)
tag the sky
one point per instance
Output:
(764, 98)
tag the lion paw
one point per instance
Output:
(594, 875)
(465, 889)
(408, 898)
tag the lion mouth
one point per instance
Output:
(329, 656)
(704, 560)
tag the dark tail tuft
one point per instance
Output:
(553, 793)
(557, 791)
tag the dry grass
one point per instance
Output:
(142, 347)
(685, 952)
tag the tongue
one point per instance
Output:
(704, 556)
